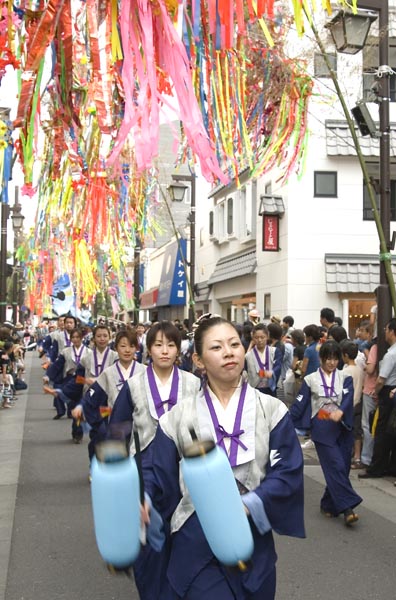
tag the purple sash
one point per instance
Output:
(262, 366)
(221, 433)
(77, 357)
(67, 340)
(99, 368)
(122, 380)
(328, 389)
(158, 403)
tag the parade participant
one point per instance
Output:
(144, 399)
(263, 362)
(71, 363)
(257, 435)
(63, 338)
(142, 350)
(325, 405)
(48, 341)
(102, 355)
(98, 401)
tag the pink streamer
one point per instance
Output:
(140, 28)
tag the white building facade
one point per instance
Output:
(327, 253)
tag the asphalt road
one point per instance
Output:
(48, 550)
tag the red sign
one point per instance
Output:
(149, 299)
(271, 233)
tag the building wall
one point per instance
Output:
(310, 228)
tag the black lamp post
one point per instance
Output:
(136, 278)
(4, 116)
(349, 33)
(177, 191)
(17, 219)
(3, 261)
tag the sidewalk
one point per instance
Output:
(378, 494)
(11, 435)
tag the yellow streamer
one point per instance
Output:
(116, 49)
(263, 26)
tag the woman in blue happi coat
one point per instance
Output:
(325, 406)
(97, 403)
(72, 363)
(142, 401)
(256, 432)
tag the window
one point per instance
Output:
(221, 208)
(325, 184)
(367, 210)
(211, 223)
(267, 306)
(320, 66)
(230, 216)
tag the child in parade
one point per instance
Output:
(72, 362)
(102, 355)
(256, 433)
(143, 400)
(98, 401)
(263, 362)
(325, 405)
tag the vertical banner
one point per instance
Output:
(271, 233)
(172, 289)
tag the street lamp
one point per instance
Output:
(17, 219)
(136, 278)
(4, 134)
(338, 30)
(349, 31)
(177, 191)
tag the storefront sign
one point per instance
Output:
(271, 233)
(172, 289)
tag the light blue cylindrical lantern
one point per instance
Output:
(116, 508)
(214, 493)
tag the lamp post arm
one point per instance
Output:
(385, 255)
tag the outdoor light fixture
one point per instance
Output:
(177, 191)
(350, 30)
(17, 218)
(364, 120)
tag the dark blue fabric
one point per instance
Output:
(313, 358)
(91, 402)
(335, 462)
(55, 370)
(301, 410)
(281, 492)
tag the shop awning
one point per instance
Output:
(237, 265)
(339, 140)
(353, 273)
